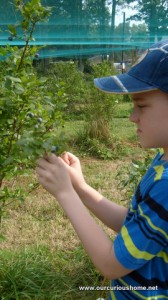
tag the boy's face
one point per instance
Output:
(150, 113)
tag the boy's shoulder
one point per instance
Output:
(159, 168)
(155, 178)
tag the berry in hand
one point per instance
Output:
(53, 149)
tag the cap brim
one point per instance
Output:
(122, 84)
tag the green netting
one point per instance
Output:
(92, 27)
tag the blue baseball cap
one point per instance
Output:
(148, 74)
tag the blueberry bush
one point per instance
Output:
(30, 112)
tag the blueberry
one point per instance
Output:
(53, 149)
(36, 126)
(37, 55)
(31, 115)
(40, 120)
(10, 38)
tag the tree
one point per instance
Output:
(114, 5)
(155, 15)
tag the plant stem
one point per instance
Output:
(1, 180)
(12, 137)
(16, 129)
(26, 46)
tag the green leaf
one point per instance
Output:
(12, 30)
(14, 79)
(19, 89)
(25, 24)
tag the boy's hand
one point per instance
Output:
(73, 166)
(53, 175)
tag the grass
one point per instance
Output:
(38, 273)
(123, 142)
(41, 257)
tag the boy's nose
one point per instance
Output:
(134, 116)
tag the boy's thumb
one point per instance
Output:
(65, 158)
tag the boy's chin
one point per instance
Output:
(146, 145)
(149, 146)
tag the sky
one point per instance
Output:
(128, 13)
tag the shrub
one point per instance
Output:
(72, 79)
(99, 110)
(131, 175)
(30, 113)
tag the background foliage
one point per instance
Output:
(85, 28)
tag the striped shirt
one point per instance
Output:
(142, 244)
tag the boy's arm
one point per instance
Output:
(110, 213)
(53, 176)
(96, 243)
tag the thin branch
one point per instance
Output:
(26, 46)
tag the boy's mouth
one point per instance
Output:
(139, 131)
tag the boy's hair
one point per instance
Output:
(148, 74)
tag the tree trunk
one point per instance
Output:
(153, 22)
(112, 31)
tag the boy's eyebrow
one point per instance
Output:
(137, 98)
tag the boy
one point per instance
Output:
(137, 261)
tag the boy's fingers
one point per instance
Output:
(42, 163)
(46, 160)
(40, 171)
(57, 161)
(69, 158)
(65, 157)
(52, 158)
(67, 165)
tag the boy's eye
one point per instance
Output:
(141, 106)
